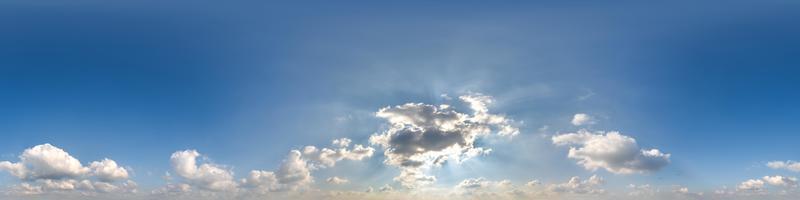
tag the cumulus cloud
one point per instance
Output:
(751, 185)
(386, 188)
(336, 180)
(787, 165)
(481, 182)
(781, 181)
(611, 151)
(45, 162)
(325, 157)
(577, 186)
(759, 185)
(207, 176)
(47, 168)
(294, 173)
(581, 119)
(107, 170)
(422, 135)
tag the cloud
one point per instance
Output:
(577, 186)
(781, 181)
(325, 157)
(758, 185)
(342, 142)
(422, 135)
(206, 176)
(787, 165)
(173, 189)
(45, 162)
(386, 188)
(533, 183)
(294, 173)
(336, 180)
(108, 171)
(751, 185)
(581, 119)
(47, 168)
(481, 182)
(611, 151)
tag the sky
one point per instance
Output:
(399, 100)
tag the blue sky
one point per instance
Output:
(243, 83)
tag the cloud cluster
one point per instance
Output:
(581, 119)
(206, 176)
(787, 165)
(482, 188)
(422, 135)
(325, 157)
(758, 185)
(47, 168)
(577, 186)
(294, 172)
(611, 151)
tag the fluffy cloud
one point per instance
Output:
(294, 173)
(611, 151)
(206, 176)
(758, 185)
(423, 135)
(47, 168)
(574, 188)
(787, 165)
(336, 180)
(751, 185)
(581, 119)
(45, 162)
(108, 171)
(577, 186)
(325, 157)
(781, 181)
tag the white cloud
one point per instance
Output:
(294, 173)
(413, 177)
(759, 185)
(681, 190)
(577, 186)
(780, 181)
(386, 188)
(180, 188)
(108, 171)
(581, 119)
(423, 135)
(751, 185)
(46, 168)
(206, 176)
(787, 165)
(45, 162)
(477, 183)
(325, 157)
(611, 151)
(342, 142)
(337, 180)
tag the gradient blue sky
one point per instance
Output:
(714, 84)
